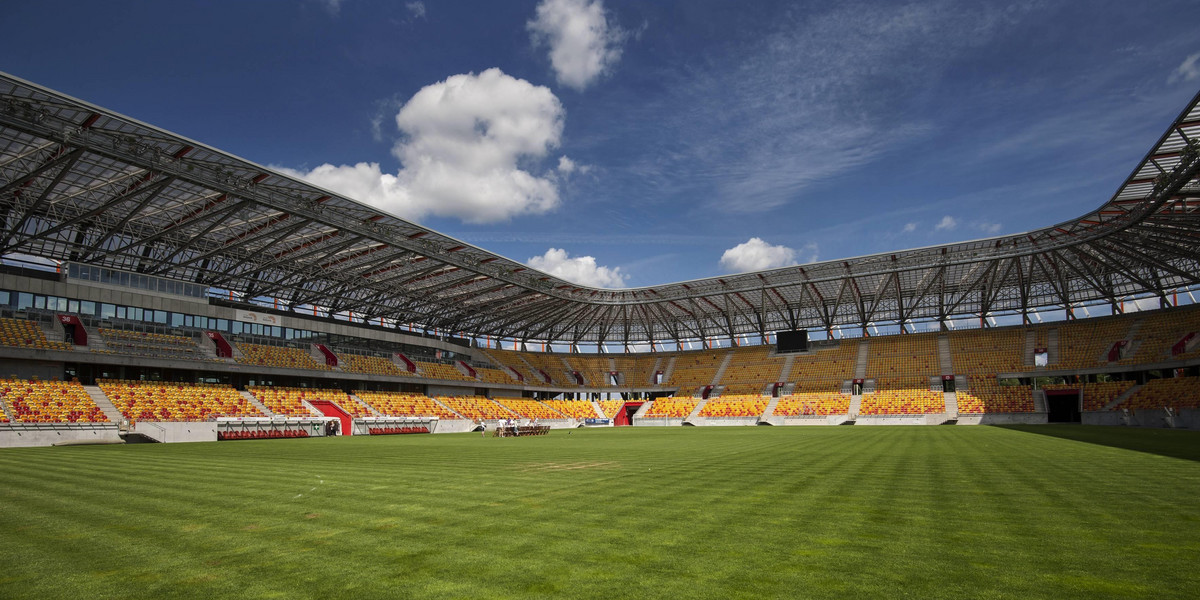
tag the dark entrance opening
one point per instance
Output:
(1063, 406)
(626, 412)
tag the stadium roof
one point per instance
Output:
(82, 184)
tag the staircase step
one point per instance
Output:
(254, 402)
(106, 406)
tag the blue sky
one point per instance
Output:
(624, 143)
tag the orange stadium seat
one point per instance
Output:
(672, 407)
(529, 409)
(28, 334)
(49, 402)
(735, 406)
(171, 401)
(394, 404)
(278, 356)
(986, 395)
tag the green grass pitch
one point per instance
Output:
(816, 512)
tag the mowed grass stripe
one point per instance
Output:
(935, 512)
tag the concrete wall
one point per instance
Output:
(181, 432)
(1003, 419)
(1188, 418)
(17, 435)
(724, 421)
(934, 419)
(30, 369)
(658, 421)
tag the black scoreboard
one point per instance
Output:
(791, 341)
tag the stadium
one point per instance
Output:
(222, 379)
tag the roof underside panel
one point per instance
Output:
(82, 184)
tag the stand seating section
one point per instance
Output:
(1160, 331)
(553, 365)
(278, 356)
(529, 409)
(1083, 344)
(575, 409)
(812, 404)
(171, 401)
(986, 395)
(594, 369)
(636, 370)
(696, 370)
(281, 401)
(475, 407)
(905, 356)
(434, 370)
(144, 342)
(28, 334)
(1177, 392)
(49, 402)
(1095, 395)
(610, 408)
(512, 361)
(750, 370)
(491, 375)
(395, 404)
(987, 352)
(371, 365)
(735, 406)
(909, 396)
(822, 367)
(672, 407)
(293, 396)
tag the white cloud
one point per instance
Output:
(581, 269)
(988, 228)
(947, 223)
(583, 46)
(464, 141)
(566, 165)
(333, 6)
(910, 227)
(1189, 70)
(416, 9)
(756, 255)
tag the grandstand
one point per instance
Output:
(48, 402)
(191, 285)
(144, 401)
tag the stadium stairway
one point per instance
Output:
(699, 407)
(786, 371)
(860, 366)
(670, 370)
(1121, 398)
(1039, 401)
(106, 406)
(855, 406)
(945, 359)
(641, 411)
(366, 404)
(1030, 346)
(8, 415)
(952, 406)
(1052, 346)
(255, 403)
(596, 407)
(721, 370)
(770, 411)
(653, 370)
